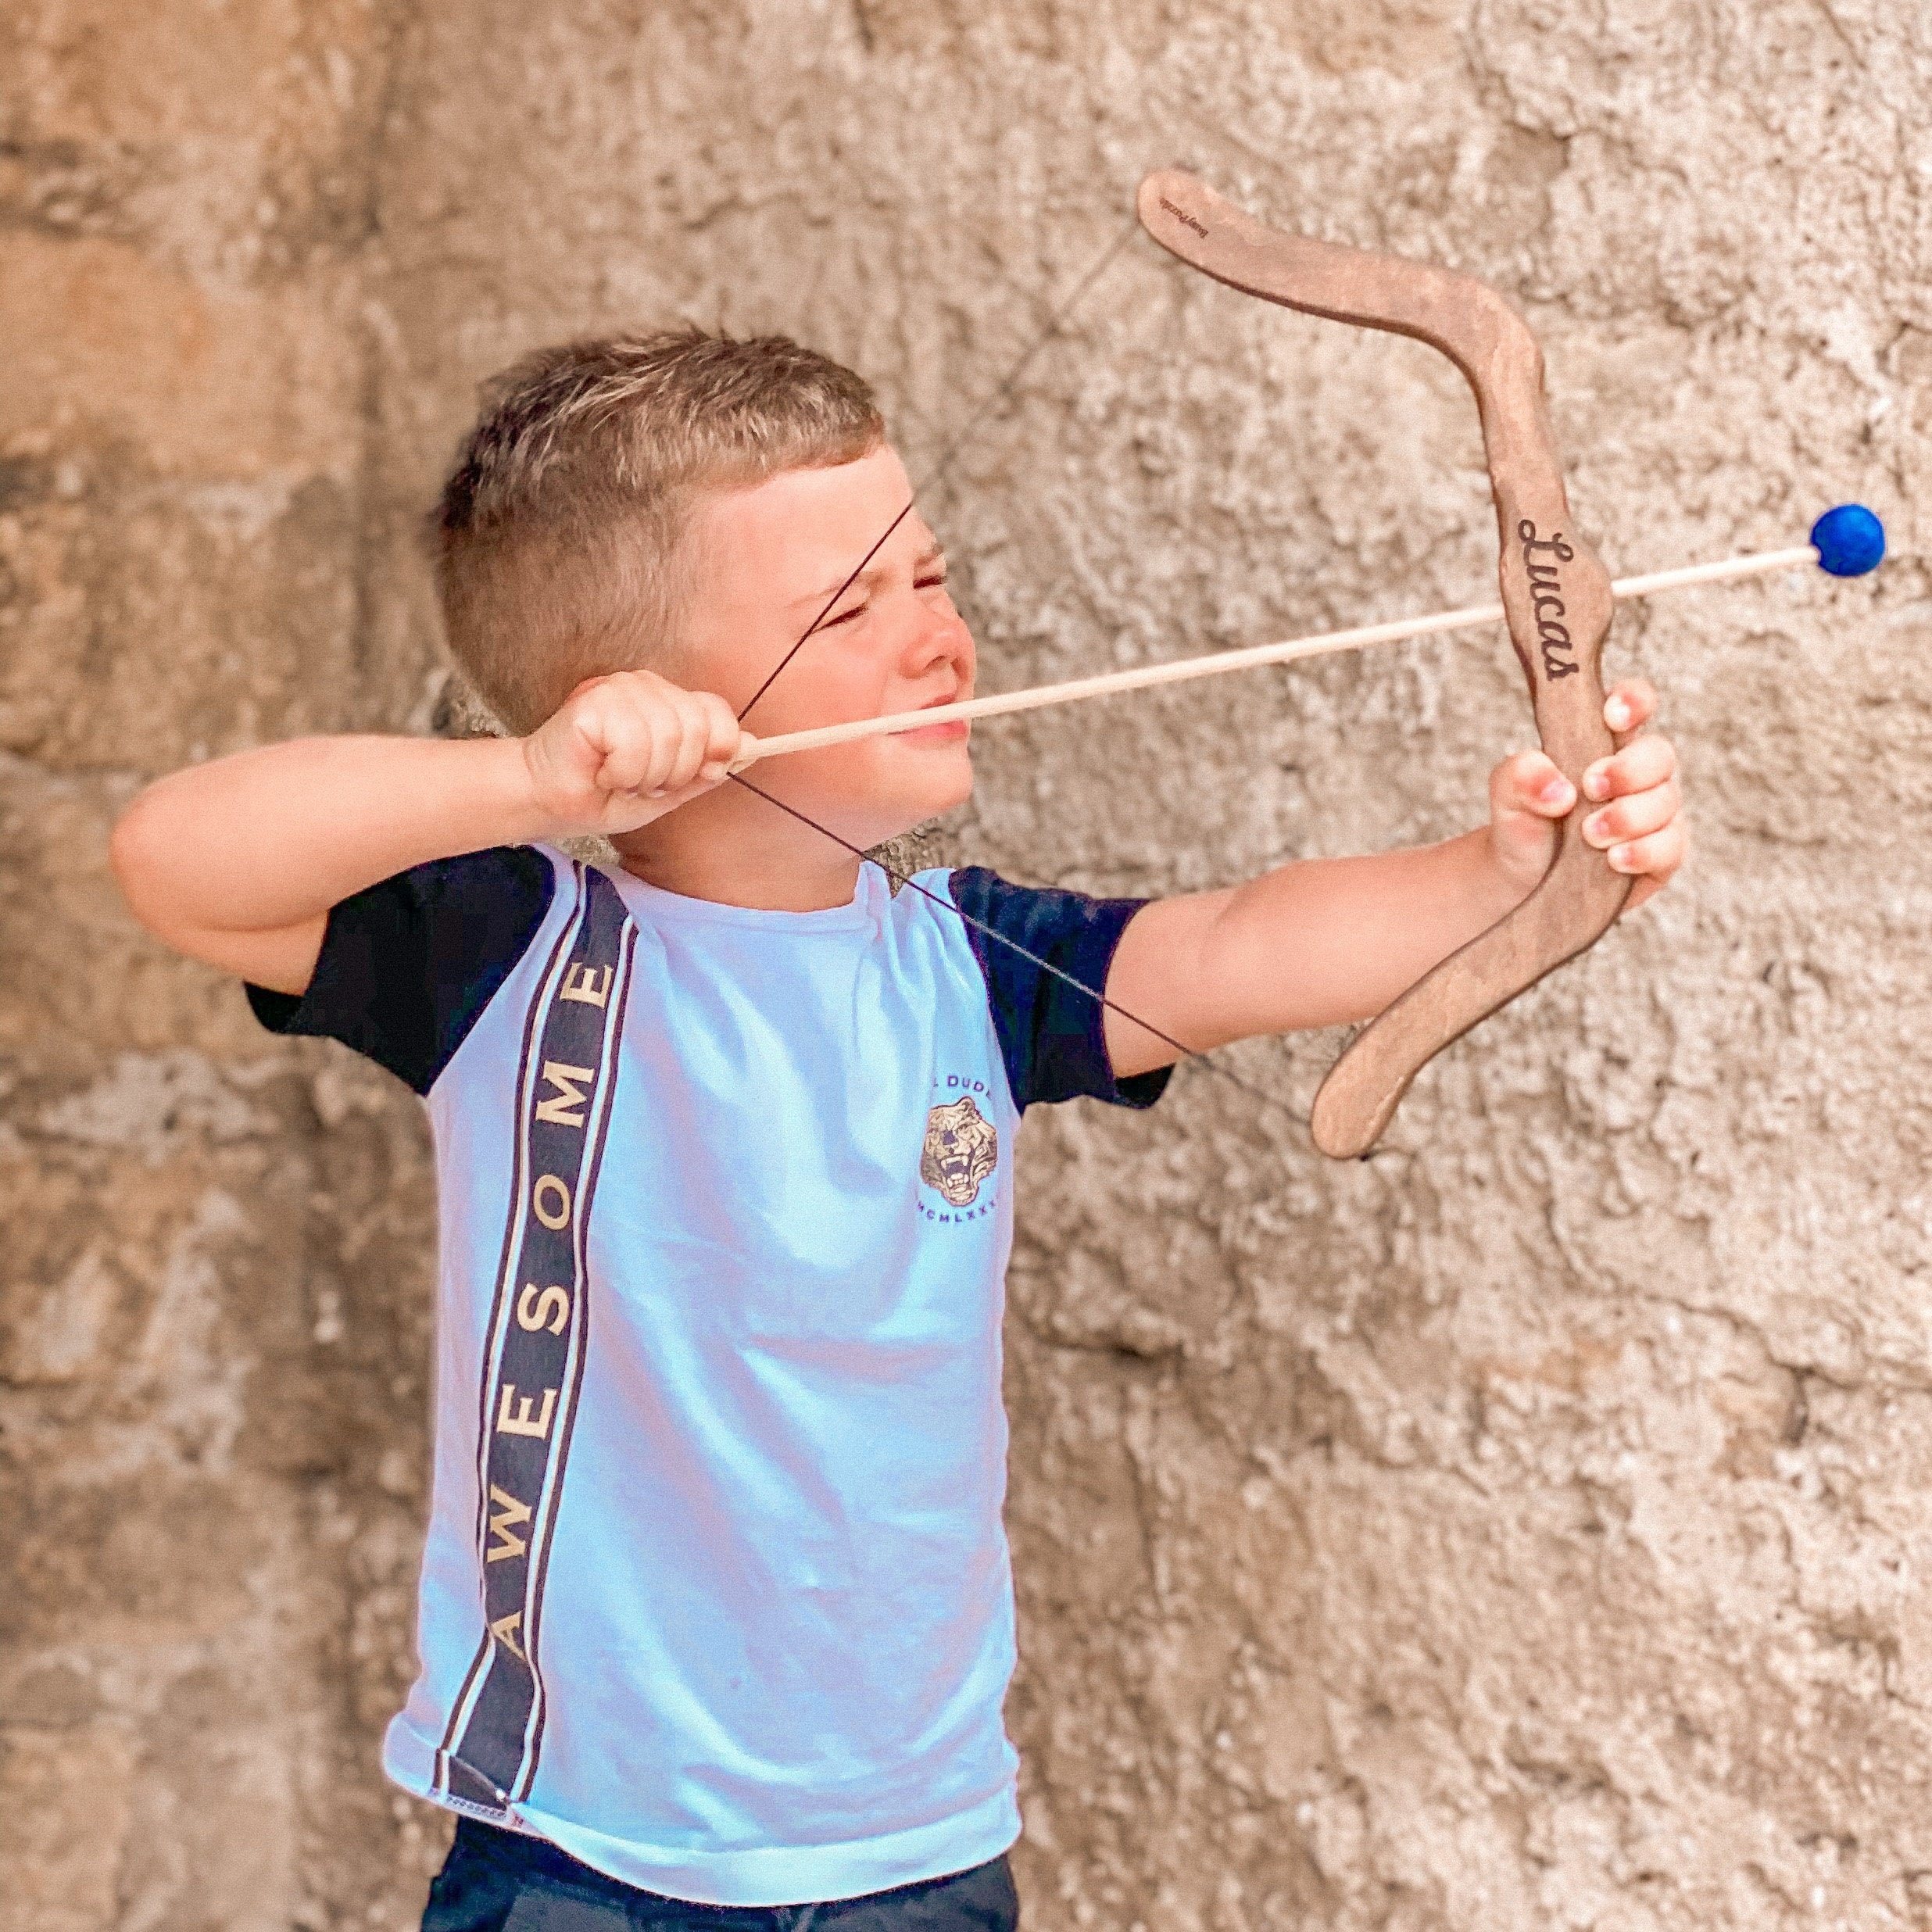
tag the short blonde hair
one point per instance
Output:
(557, 539)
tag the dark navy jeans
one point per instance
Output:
(503, 1881)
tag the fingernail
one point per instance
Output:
(1596, 784)
(1559, 791)
(1621, 859)
(1618, 714)
(1597, 825)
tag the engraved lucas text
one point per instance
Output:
(1545, 594)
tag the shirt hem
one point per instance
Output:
(763, 1875)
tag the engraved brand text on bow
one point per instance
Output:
(1184, 218)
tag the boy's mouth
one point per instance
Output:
(953, 727)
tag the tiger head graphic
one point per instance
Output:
(962, 1147)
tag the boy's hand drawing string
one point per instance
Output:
(1557, 600)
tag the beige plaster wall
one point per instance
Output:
(212, 1369)
(1527, 1528)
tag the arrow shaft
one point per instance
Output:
(1218, 663)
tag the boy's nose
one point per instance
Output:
(938, 634)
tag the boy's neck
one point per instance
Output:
(775, 889)
(715, 849)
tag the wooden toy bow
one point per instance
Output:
(1556, 599)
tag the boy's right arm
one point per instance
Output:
(237, 862)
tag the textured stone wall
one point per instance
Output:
(1527, 1528)
(214, 1363)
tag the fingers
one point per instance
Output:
(1637, 827)
(1632, 799)
(1643, 763)
(1652, 858)
(716, 738)
(1652, 862)
(624, 749)
(1530, 782)
(1630, 706)
(1636, 817)
(654, 738)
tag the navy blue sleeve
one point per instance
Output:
(408, 963)
(1051, 1033)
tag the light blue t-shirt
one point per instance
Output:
(716, 1592)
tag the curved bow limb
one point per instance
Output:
(1556, 597)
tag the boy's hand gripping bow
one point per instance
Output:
(1556, 597)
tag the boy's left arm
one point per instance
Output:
(1326, 942)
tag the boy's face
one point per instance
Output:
(766, 558)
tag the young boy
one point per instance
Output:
(716, 1618)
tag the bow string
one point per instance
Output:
(1557, 601)
(940, 467)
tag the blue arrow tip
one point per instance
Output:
(1849, 540)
